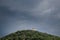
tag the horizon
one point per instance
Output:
(26, 30)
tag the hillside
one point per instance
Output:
(29, 35)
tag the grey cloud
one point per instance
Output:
(9, 17)
(31, 12)
(49, 18)
(20, 4)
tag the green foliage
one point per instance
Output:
(29, 35)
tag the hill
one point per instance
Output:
(29, 35)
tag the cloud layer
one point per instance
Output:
(44, 15)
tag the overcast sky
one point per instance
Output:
(44, 15)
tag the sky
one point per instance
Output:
(43, 15)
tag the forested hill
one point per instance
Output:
(29, 35)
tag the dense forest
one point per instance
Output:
(29, 35)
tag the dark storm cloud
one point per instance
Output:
(7, 17)
(20, 4)
(5, 13)
(41, 14)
